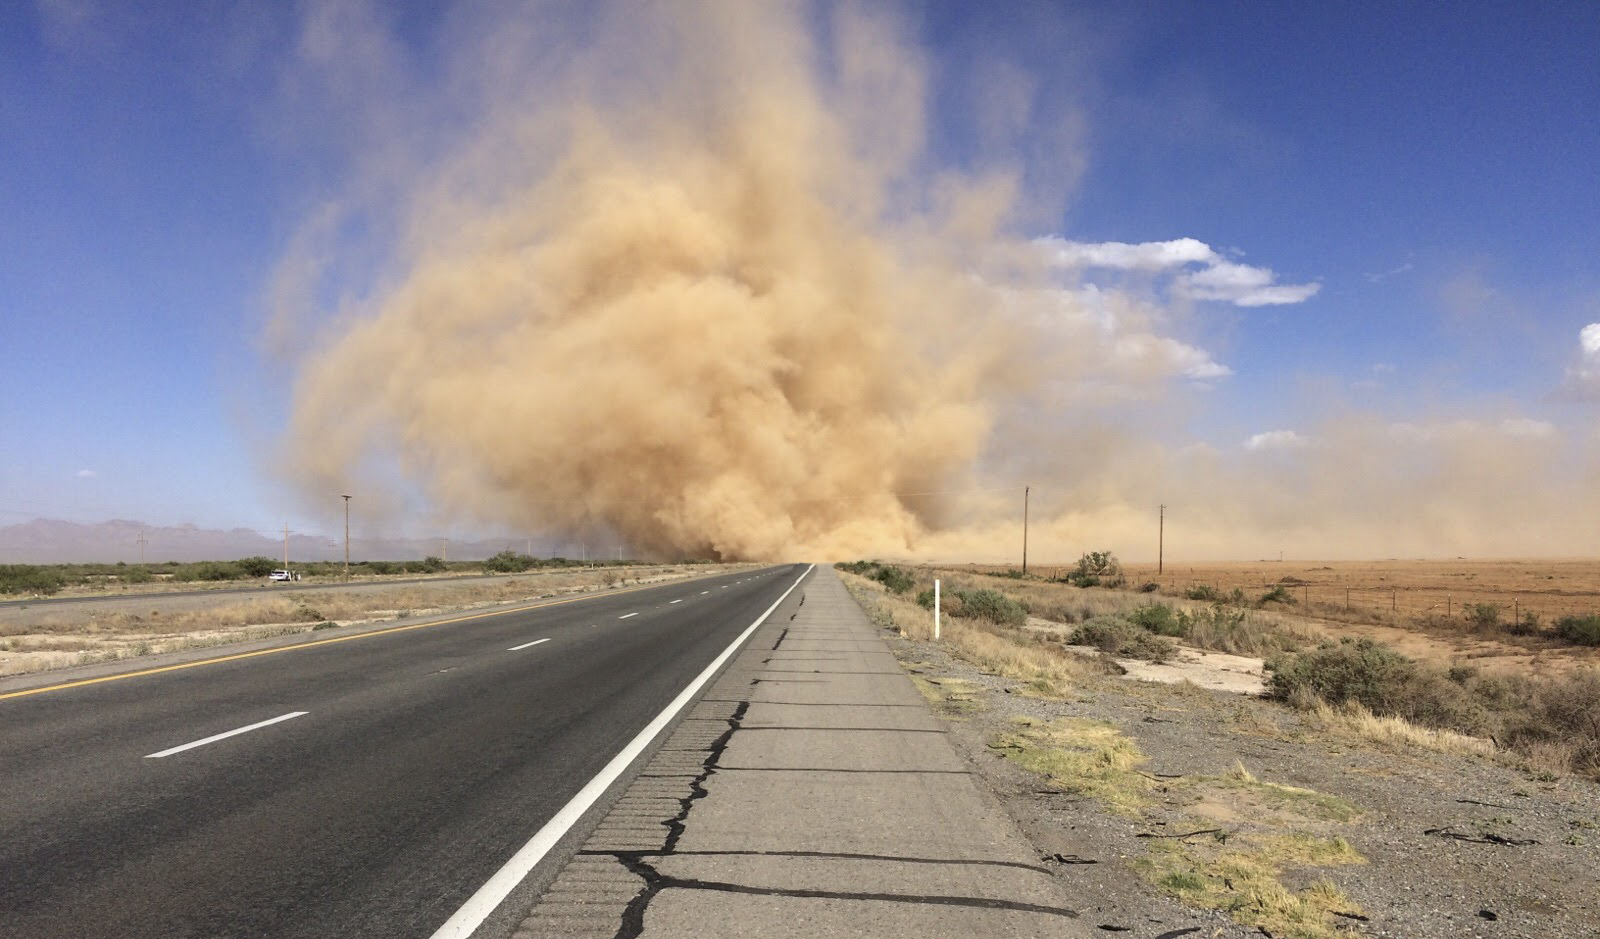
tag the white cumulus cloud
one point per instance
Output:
(1278, 440)
(1583, 378)
(85, 474)
(1198, 270)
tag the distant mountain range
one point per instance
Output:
(51, 541)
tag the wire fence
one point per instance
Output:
(1382, 602)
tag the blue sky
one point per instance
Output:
(1431, 168)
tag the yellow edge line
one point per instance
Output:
(320, 642)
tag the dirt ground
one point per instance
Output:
(1172, 809)
(43, 636)
(1548, 588)
(1415, 606)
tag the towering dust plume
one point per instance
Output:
(686, 275)
(679, 291)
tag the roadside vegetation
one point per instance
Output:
(45, 637)
(1236, 836)
(1549, 723)
(49, 579)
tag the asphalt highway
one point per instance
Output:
(353, 789)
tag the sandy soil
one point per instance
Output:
(40, 637)
(1439, 845)
(1550, 588)
(1415, 606)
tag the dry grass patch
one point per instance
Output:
(1291, 802)
(1243, 881)
(1231, 850)
(60, 639)
(1085, 757)
(1396, 733)
(1010, 653)
(950, 697)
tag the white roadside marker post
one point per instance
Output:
(936, 608)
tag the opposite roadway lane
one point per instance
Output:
(353, 789)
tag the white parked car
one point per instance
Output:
(284, 575)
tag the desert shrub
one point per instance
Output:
(508, 562)
(989, 605)
(212, 571)
(1529, 625)
(1096, 569)
(1149, 587)
(1157, 618)
(383, 567)
(137, 575)
(1385, 682)
(1358, 670)
(1563, 711)
(1057, 609)
(1278, 594)
(894, 578)
(431, 564)
(898, 580)
(1235, 631)
(1583, 630)
(30, 578)
(1203, 592)
(1554, 720)
(992, 605)
(1117, 636)
(1482, 615)
(256, 566)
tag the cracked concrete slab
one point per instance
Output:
(810, 793)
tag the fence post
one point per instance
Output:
(935, 608)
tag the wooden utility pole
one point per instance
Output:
(285, 545)
(1025, 491)
(347, 537)
(142, 543)
(1161, 541)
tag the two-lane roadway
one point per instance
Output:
(364, 788)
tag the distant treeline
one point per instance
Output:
(46, 579)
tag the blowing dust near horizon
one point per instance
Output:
(678, 293)
(690, 277)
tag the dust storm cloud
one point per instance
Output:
(691, 277)
(677, 293)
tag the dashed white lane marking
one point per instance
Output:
(225, 735)
(527, 644)
(704, 592)
(626, 615)
(679, 600)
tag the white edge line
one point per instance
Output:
(626, 615)
(527, 644)
(494, 891)
(226, 734)
(679, 600)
